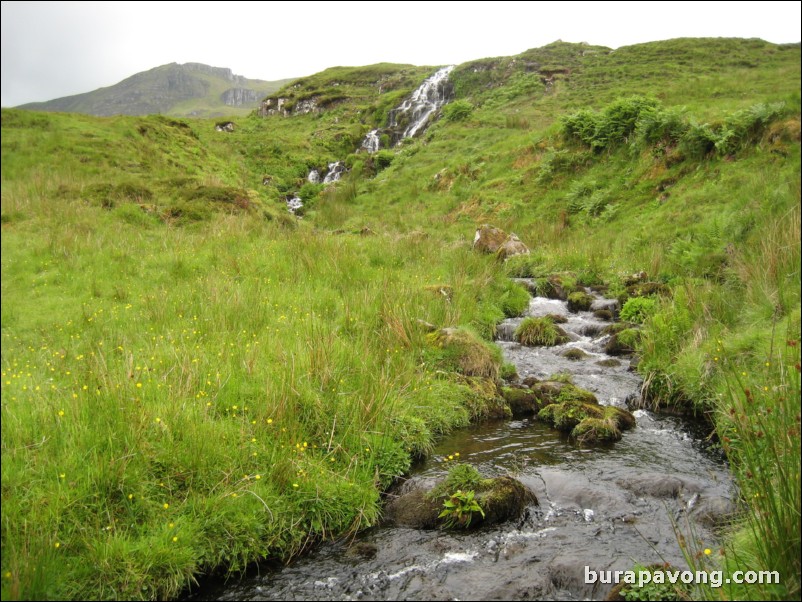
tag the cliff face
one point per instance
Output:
(191, 89)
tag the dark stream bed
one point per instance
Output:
(603, 507)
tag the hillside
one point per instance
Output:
(188, 90)
(194, 378)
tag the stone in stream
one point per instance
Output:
(420, 507)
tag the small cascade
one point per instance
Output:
(294, 203)
(313, 177)
(414, 113)
(371, 141)
(335, 172)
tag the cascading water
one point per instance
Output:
(414, 113)
(601, 507)
(336, 170)
(371, 142)
(428, 98)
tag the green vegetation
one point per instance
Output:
(540, 331)
(194, 379)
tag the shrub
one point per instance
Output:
(459, 110)
(637, 309)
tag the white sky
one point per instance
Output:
(54, 49)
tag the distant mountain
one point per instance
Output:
(188, 90)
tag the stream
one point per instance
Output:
(604, 507)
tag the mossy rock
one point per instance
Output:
(557, 318)
(530, 381)
(464, 352)
(565, 416)
(540, 332)
(508, 372)
(596, 430)
(616, 327)
(622, 343)
(503, 499)
(415, 510)
(560, 285)
(609, 363)
(483, 398)
(603, 314)
(623, 419)
(547, 391)
(488, 239)
(522, 401)
(579, 301)
(575, 354)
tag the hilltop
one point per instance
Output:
(194, 378)
(188, 90)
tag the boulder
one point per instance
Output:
(511, 247)
(224, 126)
(522, 401)
(488, 239)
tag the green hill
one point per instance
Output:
(188, 90)
(193, 378)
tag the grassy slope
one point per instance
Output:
(153, 286)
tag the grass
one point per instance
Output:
(171, 336)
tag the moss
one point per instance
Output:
(540, 331)
(573, 393)
(503, 499)
(603, 314)
(622, 419)
(575, 354)
(565, 416)
(595, 430)
(579, 301)
(460, 350)
(481, 396)
(520, 400)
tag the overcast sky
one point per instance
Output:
(54, 49)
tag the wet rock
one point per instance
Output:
(622, 343)
(609, 363)
(364, 550)
(557, 318)
(488, 239)
(714, 512)
(511, 247)
(414, 509)
(522, 401)
(530, 381)
(587, 422)
(575, 354)
(501, 499)
(603, 314)
(657, 485)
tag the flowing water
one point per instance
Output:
(602, 507)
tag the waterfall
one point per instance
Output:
(413, 114)
(336, 170)
(371, 141)
(314, 177)
(428, 98)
